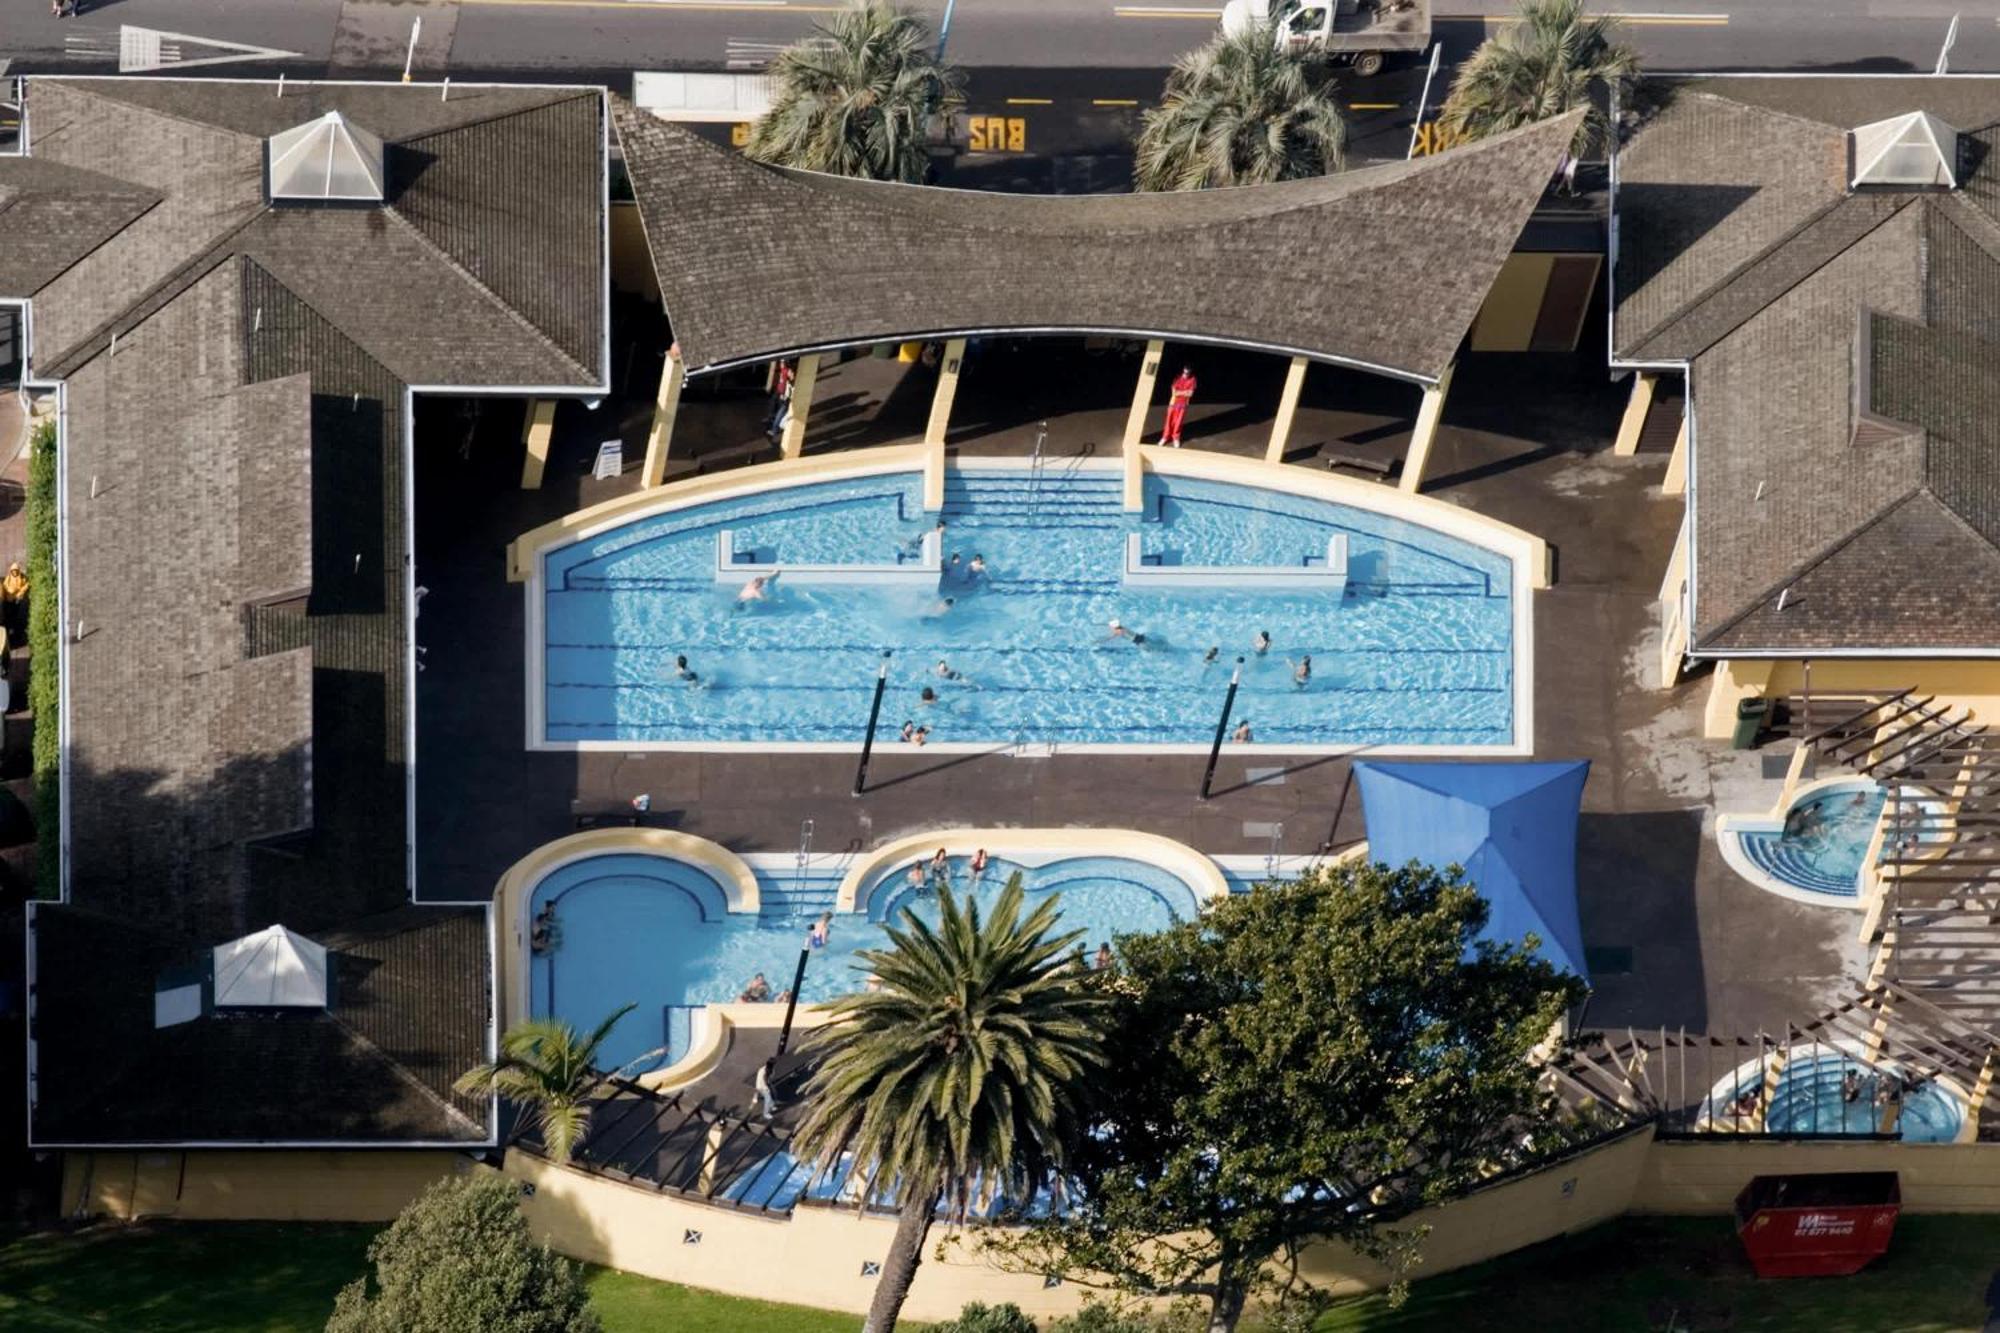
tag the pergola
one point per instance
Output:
(1381, 269)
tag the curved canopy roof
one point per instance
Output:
(1383, 268)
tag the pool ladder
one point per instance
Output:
(799, 869)
(1037, 463)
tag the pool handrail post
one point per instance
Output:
(1221, 728)
(868, 741)
(792, 1003)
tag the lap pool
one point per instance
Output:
(651, 930)
(1415, 648)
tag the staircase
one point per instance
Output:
(1080, 499)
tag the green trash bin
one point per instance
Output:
(1750, 715)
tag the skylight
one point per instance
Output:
(329, 158)
(1916, 151)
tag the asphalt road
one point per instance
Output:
(1057, 84)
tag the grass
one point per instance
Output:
(1689, 1275)
(257, 1277)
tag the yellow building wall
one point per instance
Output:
(1970, 684)
(1506, 320)
(1704, 1177)
(631, 260)
(330, 1186)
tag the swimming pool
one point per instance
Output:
(638, 928)
(1814, 1096)
(1815, 852)
(1416, 650)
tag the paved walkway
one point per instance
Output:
(1675, 939)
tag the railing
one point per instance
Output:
(1037, 463)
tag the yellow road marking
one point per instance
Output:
(1373, 106)
(1113, 101)
(736, 6)
(1030, 101)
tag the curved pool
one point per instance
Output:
(651, 930)
(1815, 853)
(1415, 647)
(1815, 1096)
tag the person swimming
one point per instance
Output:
(1302, 671)
(681, 671)
(1208, 658)
(942, 606)
(977, 569)
(1242, 732)
(945, 672)
(758, 589)
(927, 698)
(1118, 630)
(1262, 643)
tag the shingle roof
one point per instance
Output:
(1841, 350)
(235, 551)
(1383, 267)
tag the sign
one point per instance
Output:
(610, 460)
(1433, 138)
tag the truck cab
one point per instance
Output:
(1358, 31)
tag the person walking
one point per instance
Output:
(763, 1085)
(781, 400)
(1179, 395)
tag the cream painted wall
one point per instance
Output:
(631, 261)
(1972, 684)
(1704, 1177)
(330, 1186)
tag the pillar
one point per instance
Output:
(1676, 480)
(794, 441)
(1425, 432)
(1634, 420)
(947, 389)
(1142, 394)
(1288, 407)
(673, 376)
(535, 435)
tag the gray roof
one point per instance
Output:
(1841, 350)
(235, 551)
(1383, 267)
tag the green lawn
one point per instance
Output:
(1688, 1275)
(250, 1277)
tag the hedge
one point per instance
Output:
(44, 678)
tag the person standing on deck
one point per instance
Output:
(1178, 397)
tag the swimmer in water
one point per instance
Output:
(1262, 643)
(942, 606)
(1302, 671)
(928, 697)
(1242, 734)
(756, 590)
(1118, 630)
(977, 569)
(1208, 658)
(945, 672)
(681, 672)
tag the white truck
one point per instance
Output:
(1361, 32)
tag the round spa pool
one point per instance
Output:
(1830, 1089)
(1815, 853)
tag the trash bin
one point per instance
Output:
(1750, 715)
(1817, 1225)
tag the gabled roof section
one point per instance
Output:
(1382, 268)
(325, 160)
(54, 215)
(1914, 151)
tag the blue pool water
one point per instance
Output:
(1418, 650)
(1825, 837)
(654, 931)
(1810, 1100)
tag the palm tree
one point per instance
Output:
(1540, 65)
(856, 99)
(1241, 111)
(959, 1075)
(551, 1072)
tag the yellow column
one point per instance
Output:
(1288, 407)
(794, 442)
(1142, 394)
(1636, 408)
(535, 434)
(947, 389)
(1421, 438)
(673, 376)
(1676, 480)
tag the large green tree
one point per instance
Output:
(460, 1260)
(1306, 1060)
(1240, 111)
(857, 98)
(958, 1076)
(1542, 64)
(551, 1072)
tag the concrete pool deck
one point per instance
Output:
(1676, 939)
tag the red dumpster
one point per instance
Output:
(1823, 1225)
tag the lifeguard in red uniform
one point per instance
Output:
(1181, 394)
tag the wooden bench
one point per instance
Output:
(1380, 467)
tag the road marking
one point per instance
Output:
(1656, 19)
(1373, 106)
(1166, 12)
(1030, 101)
(1113, 101)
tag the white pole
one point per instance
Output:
(1437, 49)
(416, 26)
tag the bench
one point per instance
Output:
(1360, 463)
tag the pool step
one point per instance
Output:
(786, 904)
(1783, 862)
